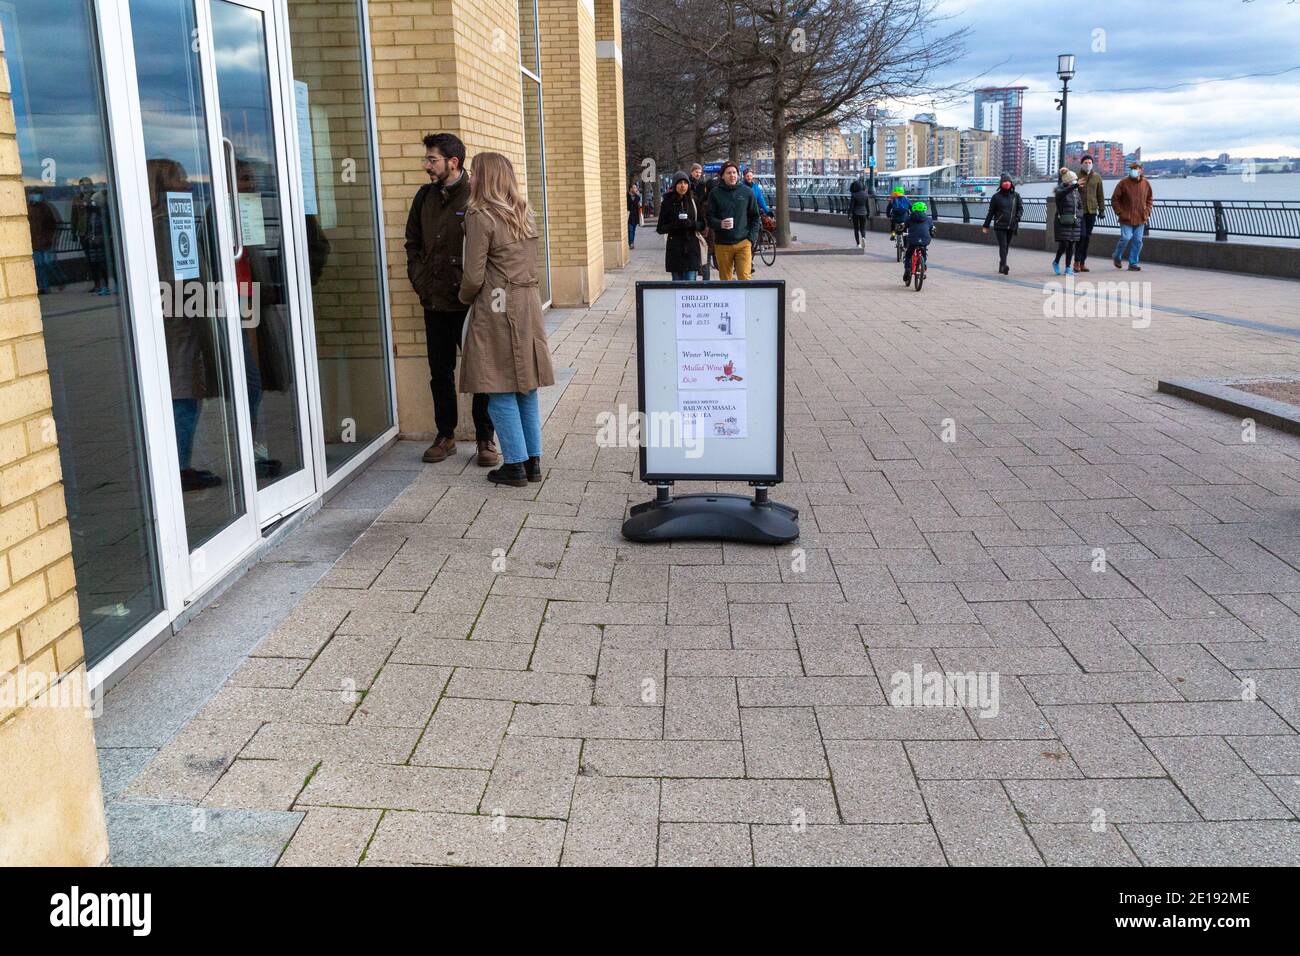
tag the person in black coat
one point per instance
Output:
(682, 221)
(1005, 212)
(859, 209)
(633, 214)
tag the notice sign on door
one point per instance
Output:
(710, 363)
(185, 240)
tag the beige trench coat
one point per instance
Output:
(505, 346)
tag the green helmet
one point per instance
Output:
(899, 191)
(920, 207)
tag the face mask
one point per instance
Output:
(1006, 185)
(1087, 167)
(36, 197)
(1135, 173)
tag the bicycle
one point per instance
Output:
(918, 267)
(899, 245)
(766, 247)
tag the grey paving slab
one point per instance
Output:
(1257, 843)
(705, 844)
(663, 758)
(782, 742)
(329, 836)
(391, 787)
(533, 777)
(748, 801)
(156, 835)
(567, 720)
(977, 824)
(464, 733)
(1101, 741)
(1080, 844)
(446, 839)
(1199, 718)
(990, 760)
(847, 845)
(874, 782)
(1216, 780)
(1099, 802)
(701, 708)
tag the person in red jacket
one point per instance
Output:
(1131, 200)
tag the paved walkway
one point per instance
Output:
(1120, 562)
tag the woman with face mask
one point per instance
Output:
(1068, 225)
(1005, 210)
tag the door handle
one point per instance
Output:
(228, 148)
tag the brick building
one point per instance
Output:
(150, 446)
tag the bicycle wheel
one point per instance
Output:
(918, 271)
(898, 247)
(767, 248)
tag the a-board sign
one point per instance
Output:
(711, 364)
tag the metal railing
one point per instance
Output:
(1223, 219)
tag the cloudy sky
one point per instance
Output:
(1143, 71)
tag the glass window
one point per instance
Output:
(72, 200)
(183, 205)
(343, 239)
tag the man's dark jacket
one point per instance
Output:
(435, 240)
(733, 202)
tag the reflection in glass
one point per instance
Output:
(529, 55)
(535, 163)
(189, 265)
(71, 205)
(247, 123)
(342, 220)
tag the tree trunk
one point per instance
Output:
(782, 190)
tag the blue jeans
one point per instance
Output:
(43, 259)
(684, 276)
(186, 412)
(631, 234)
(1130, 236)
(518, 422)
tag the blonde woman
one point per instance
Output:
(505, 354)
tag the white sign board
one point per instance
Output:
(710, 359)
(306, 148)
(185, 239)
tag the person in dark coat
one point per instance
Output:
(633, 213)
(682, 220)
(859, 209)
(920, 230)
(1069, 220)
(1005, 213)
(700, 189)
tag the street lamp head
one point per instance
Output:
(1065, 66)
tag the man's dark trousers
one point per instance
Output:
(442, 331)
(1081, 251)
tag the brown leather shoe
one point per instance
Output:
(1081, 268)
(487, 455)
(440, 450)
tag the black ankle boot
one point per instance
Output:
(513, 475)
(533, 468)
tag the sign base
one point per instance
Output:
(716, 517)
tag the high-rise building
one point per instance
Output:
(1108, 157)
(980, 153)
(1009, 111)
(1074, 151)
(1047, 149)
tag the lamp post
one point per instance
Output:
(871, 151)
(1065, 70)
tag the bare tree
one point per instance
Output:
(798, 67)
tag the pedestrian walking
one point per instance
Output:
(700, 188)
(435, 239)
(1005, 212)
(859, 209)
(1131, 200)
(733, 216)
(682, 222)
(1067, 225)
(1093, 192)
(760, 196)
(506, 355)
(634, 216)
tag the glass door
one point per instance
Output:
(249, 86)
(211, 122)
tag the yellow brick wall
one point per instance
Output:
(573, 144)
(615, 176)
(50, 806)
(440, 66)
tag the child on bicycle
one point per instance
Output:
(920, 228)
(899, 209)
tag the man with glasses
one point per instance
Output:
(435, 239)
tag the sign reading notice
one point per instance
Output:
(185, 240)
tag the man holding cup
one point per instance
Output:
(733, 216)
